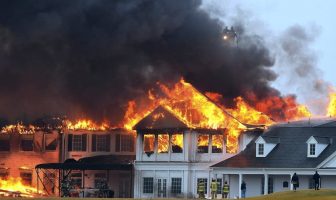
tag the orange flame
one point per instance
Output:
(199, 111)
(331, 109)
(86, 124)
(15, 185)
(18, 128)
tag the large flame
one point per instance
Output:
(197, 110)
(18, 128)
(86, 124)
(331, 110)
(15, 185)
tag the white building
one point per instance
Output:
(171, 158)
(268, 162)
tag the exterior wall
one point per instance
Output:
(17, 161)
(278, 181)
(328, 181)
(88, 152)
(189, 166)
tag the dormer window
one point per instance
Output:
(316, 145)
(265, 144)
(312, 149)
(260, 149)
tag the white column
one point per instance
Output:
(290, 181)
(240, 182)
(265, 184)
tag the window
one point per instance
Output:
(26, 178)
(27, 144)
(100, 181)
(124, 143)
(148, 184)
(77, 142)
(217, 143)
(312, 149)
(177, 143)
(163, 143)
(3, 173)
(4, 144)
(260, 149)
(76, 179)
(51, 142)
(285, 184)
(219, 186)
(205, 181)
(176, 186)
(203, 143)
(149, 140)
(101, 142)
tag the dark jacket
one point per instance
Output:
(243, 186)
(316, 177)
(295, 179)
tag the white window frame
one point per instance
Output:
(101, 143)
(148, 189)
(312, 151)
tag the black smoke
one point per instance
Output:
(87, 58)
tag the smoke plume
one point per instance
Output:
(88, 58)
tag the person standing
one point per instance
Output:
(226, 190)
(201, 188)
(295, 181)
(213, 188)
(317, 180)
(243, 189)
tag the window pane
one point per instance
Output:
(4, 145)
(26, 178)
(149, 140)
(163, 143)
(177, 143)
(203, 143)
(127, 142)
(26, 144)
(176, 186)
(217, 143)
(260, 149)
(148, 185)
(77, 143)
(101, 142)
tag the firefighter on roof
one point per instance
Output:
(213, 188)
(201, 189)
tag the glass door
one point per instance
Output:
(162, 187)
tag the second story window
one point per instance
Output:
(163, 143)
(149, 141)
(260, 149)
(5, 143)
(27, 143)
(77, 142)
(51, 142)
(124, 143)
(101, 142)
(177, 143)
(217, 143)
(203, 143)
(312, 148)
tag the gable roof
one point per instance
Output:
(291, 152)
(160, 118)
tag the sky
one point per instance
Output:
(273, 17)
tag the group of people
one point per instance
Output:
(316, 179)
(226, 188)
(214, 189)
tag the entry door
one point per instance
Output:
(162, 187)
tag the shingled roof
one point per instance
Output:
(291, 152)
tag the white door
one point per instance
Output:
(162, 187)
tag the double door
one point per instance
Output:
(162, 188)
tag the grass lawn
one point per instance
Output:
(324, 194)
